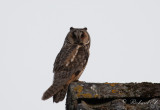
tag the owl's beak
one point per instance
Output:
(81, 43)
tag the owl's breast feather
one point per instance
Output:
(72, 55)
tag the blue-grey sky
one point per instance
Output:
(125, 45)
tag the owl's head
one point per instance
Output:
(78, 36)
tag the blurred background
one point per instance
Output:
(125, 45)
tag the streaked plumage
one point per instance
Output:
(69, 63)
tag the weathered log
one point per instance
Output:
(113, 96)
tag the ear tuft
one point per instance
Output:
(85, 28)
(71, 28)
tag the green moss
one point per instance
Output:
(87, 95)
(95, 96)
(111, 84)
(78, 89)
(114, 91)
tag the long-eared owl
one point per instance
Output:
(69, 63)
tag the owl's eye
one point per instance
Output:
(73, 36)
(82, 36)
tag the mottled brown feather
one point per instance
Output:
(69, 64)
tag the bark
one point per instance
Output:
(113, 96)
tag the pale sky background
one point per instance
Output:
(125, 45)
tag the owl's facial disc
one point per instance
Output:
(80, 37)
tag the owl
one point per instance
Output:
(70, 63)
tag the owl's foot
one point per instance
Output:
(79, 81)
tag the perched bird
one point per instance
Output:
(69, 63)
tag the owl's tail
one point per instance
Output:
(59, 96)
(57, 92)
(52, 90)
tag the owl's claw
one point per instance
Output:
(79, 81)
(76, 80)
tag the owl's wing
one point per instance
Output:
(71, 60)
(69, 64)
